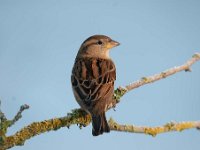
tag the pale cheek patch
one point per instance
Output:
(107, 54)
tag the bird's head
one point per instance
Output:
(97, 46)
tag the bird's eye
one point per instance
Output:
(99, 42)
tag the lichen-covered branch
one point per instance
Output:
(5, 123)
(78, 116)
(120, 91)
(153, 131)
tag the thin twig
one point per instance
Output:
(146, 80)
(18, 115)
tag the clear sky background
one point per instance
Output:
(39, 40)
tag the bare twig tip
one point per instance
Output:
(23, 107)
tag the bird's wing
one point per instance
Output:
(92, 79)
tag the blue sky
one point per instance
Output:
(38, 44)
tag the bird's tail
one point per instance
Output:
(99, 124)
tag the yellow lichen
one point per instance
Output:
(163, 74)
(118, 93)
(169, 126)
(184, 125)
(197, 55)
(153, 131)
(145, 79)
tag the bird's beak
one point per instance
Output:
(112, 44)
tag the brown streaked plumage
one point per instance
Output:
(93, 77)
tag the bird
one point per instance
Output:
(93, 76)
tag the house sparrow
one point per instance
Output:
(92, 79)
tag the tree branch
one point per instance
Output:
(5, 124)
(77, 116)
(153, 131)
(146, 80)
(80, 117)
